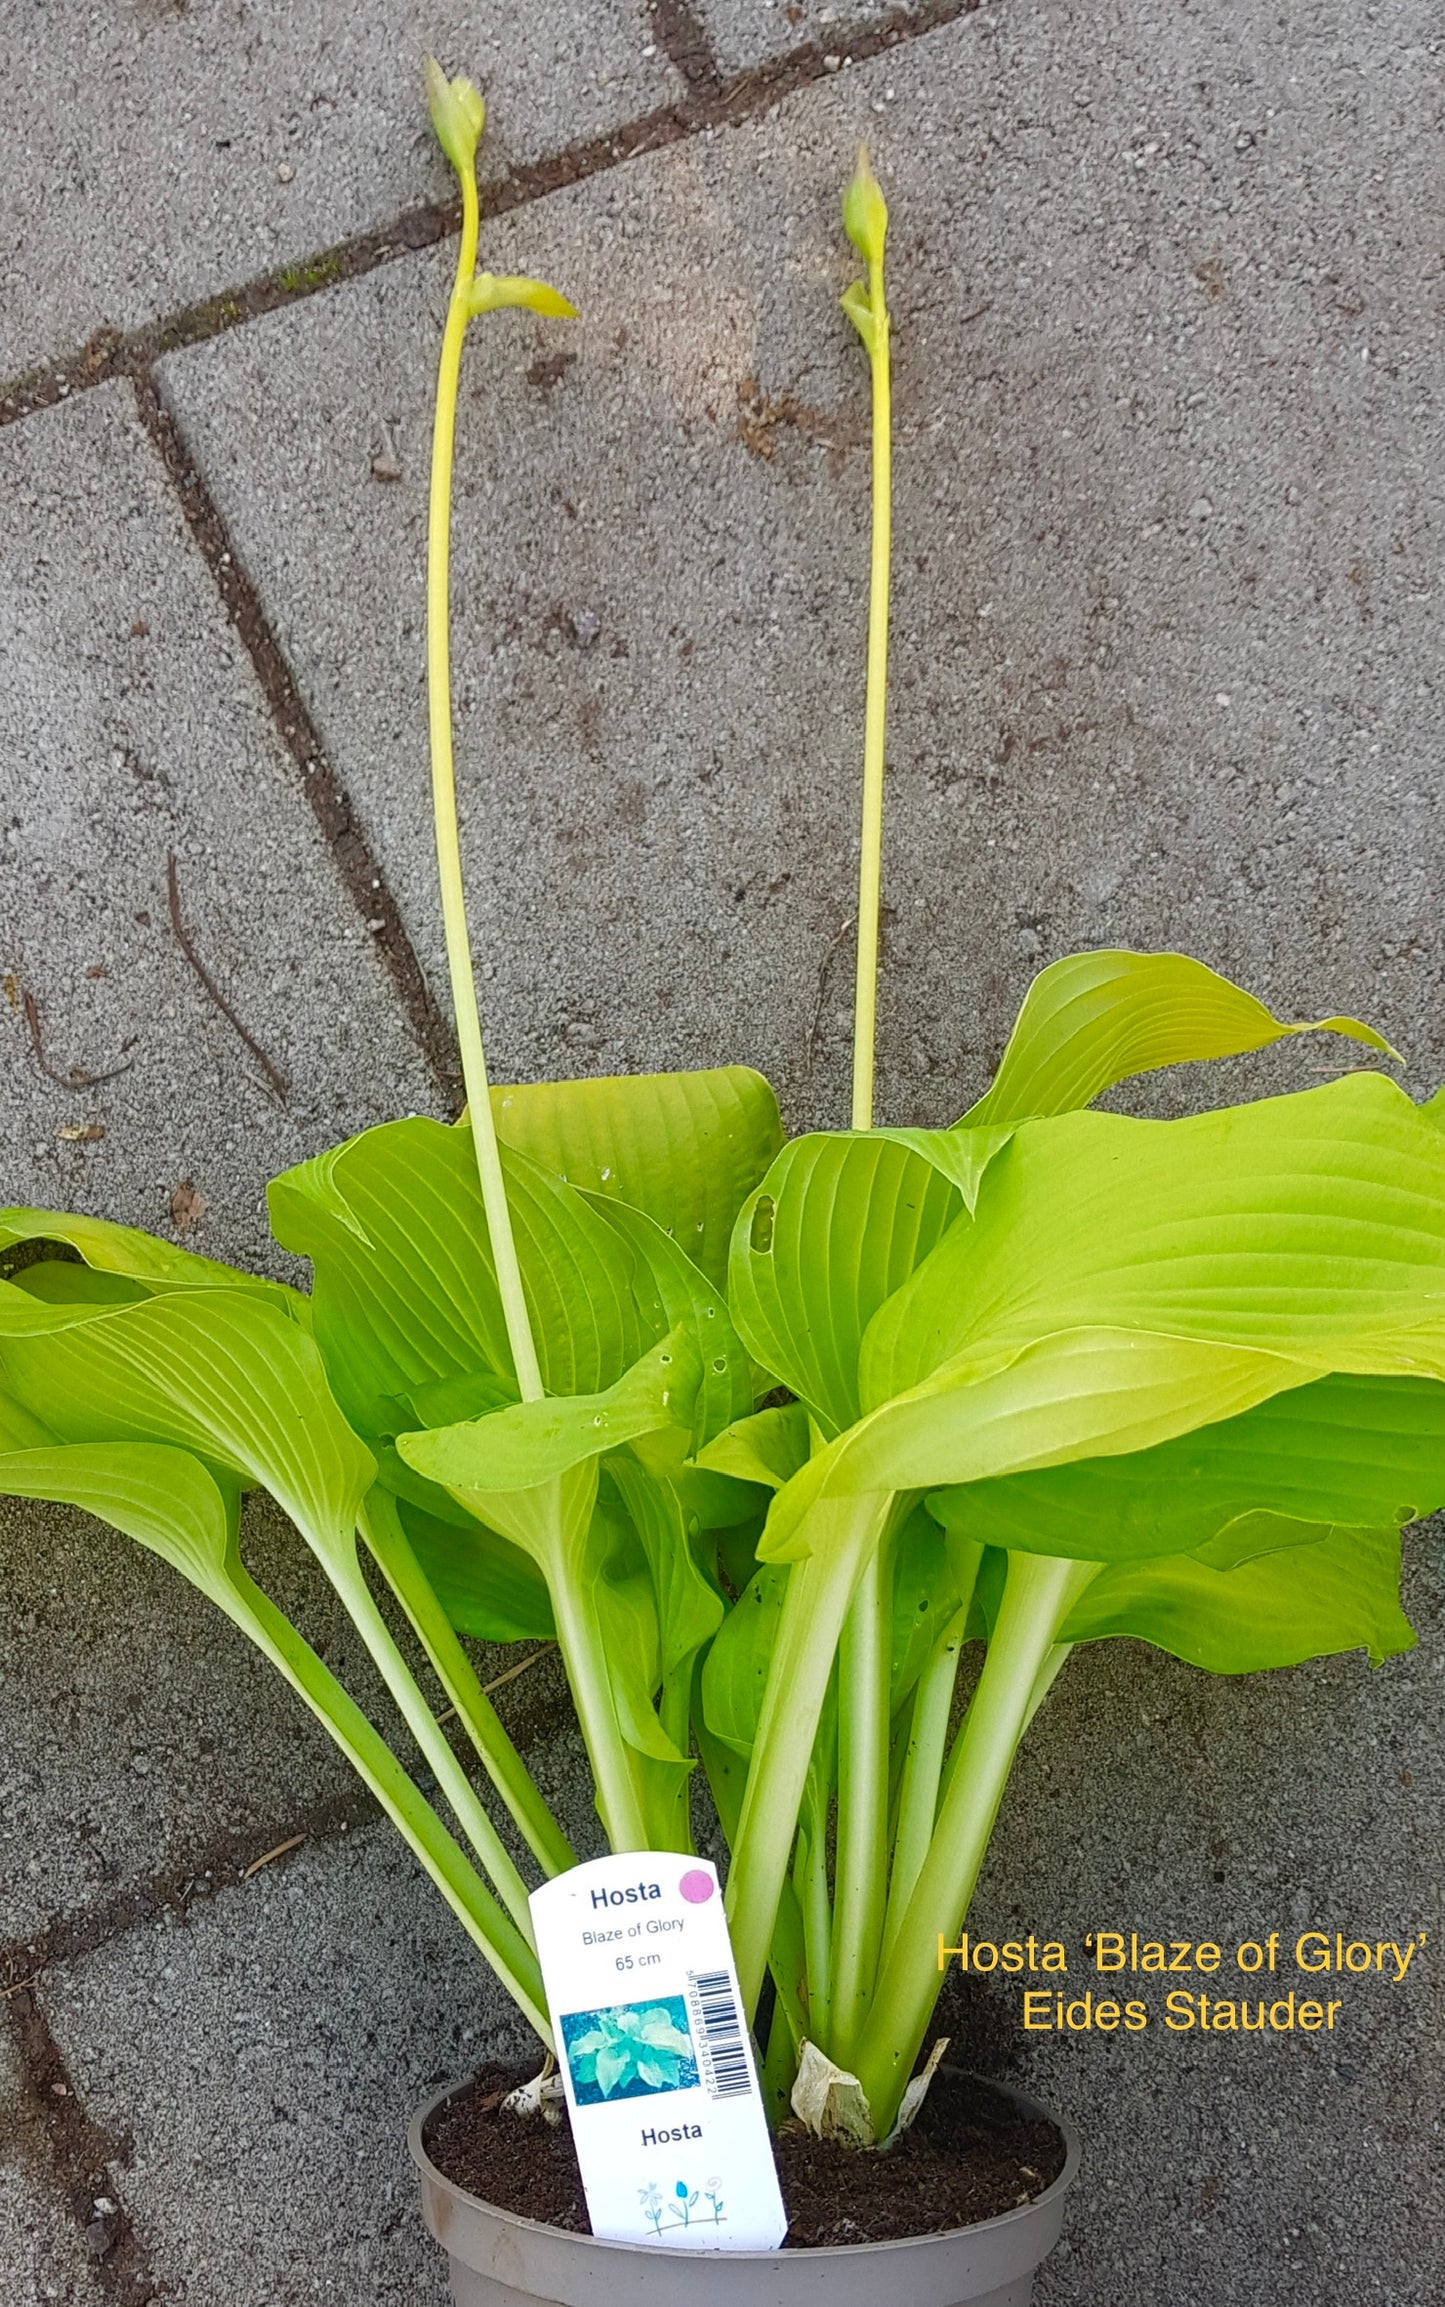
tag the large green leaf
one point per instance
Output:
(925, 1598)
(1077, 1394)
(224, 1373)
(1342, 1593)
(687, 1296)
(1311, 1227)
(768, 1447)
(487, 1586)
(1095, 1019)
(404, 1291)
(735, 1671)
(163, 1497)
(689, 1612)
(837, 1224)
(686, 1148)
(1364, 1452)
(529, 1442)
(20, 1429)
(125, 1251)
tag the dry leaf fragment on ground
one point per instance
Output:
(187, 1207)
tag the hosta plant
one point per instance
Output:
(771, 1436)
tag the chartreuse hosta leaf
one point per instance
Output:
(130, 1256)
(225, 1373)
(228, 1375)
(837, 1224)
(1363, 1452)
(769, 1447)
(639, 1600)
(630, 1605)
(1340, 1593)
(173, 1504)
(487, 1586)
(1095, 1019)
(529, 1442)
(685, 1148)
(689, 1298)
(1311, 1226)
(404, 1292)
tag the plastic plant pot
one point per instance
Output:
(500, 2260)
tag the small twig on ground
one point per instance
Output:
(510, 1676)
(20, 1986)
(267, 1856)
(826, 965)
(520, 1668)
(272, 1072)
(77, 1078)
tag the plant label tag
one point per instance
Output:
(655, 2057)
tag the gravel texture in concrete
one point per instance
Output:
(165, 152)
(1167, 524)
(132, 727)
(145, 1746)
(744, 33)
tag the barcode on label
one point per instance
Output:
(724, 2055)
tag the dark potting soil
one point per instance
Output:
(969, 2156)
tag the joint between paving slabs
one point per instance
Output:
(83, 2161)
(359, 868)
(684, 42)
(83, 2158)
(708, 102)
(239, 1855)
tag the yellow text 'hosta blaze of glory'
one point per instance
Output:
(767, 1434)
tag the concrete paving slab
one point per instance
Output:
(164, 152)
(132, 726)
(139, 1733)
(147, 1748)
(744, 33)
(1168, 513)
(264, 2058)
(42, 2254)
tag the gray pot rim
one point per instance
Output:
(816, 2255)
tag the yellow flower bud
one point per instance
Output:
(457, 114)
(865, 212)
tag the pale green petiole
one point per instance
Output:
(844, 1532)
(1039, 1592)
(862, 1862)
(381, 1528)
(431, 1738)
(550, 1522)
(500, 1940)
(923, 1772)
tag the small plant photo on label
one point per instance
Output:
(631, 2051)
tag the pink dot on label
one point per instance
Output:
(696, 1886)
